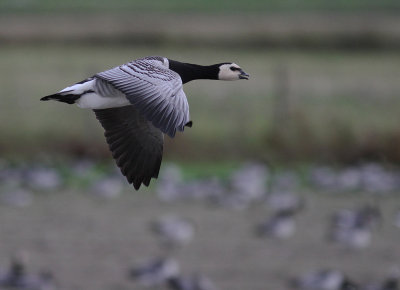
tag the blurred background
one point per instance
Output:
(284, 179)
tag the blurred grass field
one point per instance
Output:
(295, 103)
(41, 6)
(91, 243)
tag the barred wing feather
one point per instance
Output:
(136, 145)
(154, 90)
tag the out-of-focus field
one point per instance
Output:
(190, 6)
(324, 88)
(91, 243)
(327, 96)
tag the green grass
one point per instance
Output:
(327, 90)
(207, 169)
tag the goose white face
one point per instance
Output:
(231, 72)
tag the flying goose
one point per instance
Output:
(137, 103)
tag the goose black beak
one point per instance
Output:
(243, 75)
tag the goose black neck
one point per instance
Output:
(189, 72)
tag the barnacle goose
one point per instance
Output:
(138, 102)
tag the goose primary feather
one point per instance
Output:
(137, 103)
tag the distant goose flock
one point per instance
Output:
(140, 101)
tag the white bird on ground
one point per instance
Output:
(140, 101)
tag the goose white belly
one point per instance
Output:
(95, 101)
(96, 94)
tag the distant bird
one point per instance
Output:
(155, 272)
(195, 282)
(357, 237)
(250, 181)
(365, 216)
(42, 178)
(285, 201)
(108, 187)
(391, 282)
(16, 277)
(173, 231)
(388, 284)
(324, 279)
(169, 183)
(353, 228)
(281, 225)
(138, 102)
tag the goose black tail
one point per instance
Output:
(65, 98)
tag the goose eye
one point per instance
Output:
(234, 68)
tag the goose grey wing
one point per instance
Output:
(154, 90)
(136, 145)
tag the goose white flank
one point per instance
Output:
(140, 101)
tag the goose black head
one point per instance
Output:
(231, 72)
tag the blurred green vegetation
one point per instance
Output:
(194, 6)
